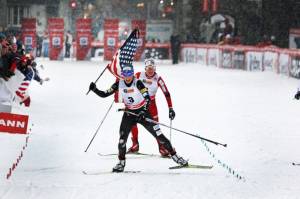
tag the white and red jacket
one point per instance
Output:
(152, 83)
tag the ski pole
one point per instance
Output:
(99, 126)
(98, 77)
(170, 129)
(197, 136)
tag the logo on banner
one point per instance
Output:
(254, 62)
(56, 41)
(189, 55)
(13, 123)
(227, 59)
(238, 59)
(295, 67)
(111, 41)
(83, 41)
(28, 40)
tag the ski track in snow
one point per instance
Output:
(252, 112)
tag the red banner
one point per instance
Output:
(83, 38)
(214, 6)
(205, 6)
(111, 38)
(29, 34)
(13, 123)
(56, 38)
(141, 26)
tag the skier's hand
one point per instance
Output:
(171, 113)
(141, 116)
(297, 96)
(92, 86)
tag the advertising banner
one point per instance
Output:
(270, 61)
(213, 57)
(83, 38)
(141, 26)
(205, 6)
(157, 50)
(111, 38)
(239, 59)
(284, 61)
(226, 58)
(189, 55)
(56, 38)
(295, 66)
(13, 123)
(254, 60)
(29, 34)
(214, 6)
(201, 56)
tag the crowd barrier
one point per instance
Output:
(271, 58)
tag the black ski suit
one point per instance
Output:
(129, 120)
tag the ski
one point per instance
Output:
(192, 166)
(296, 164)
(107, 172)
(137, 154)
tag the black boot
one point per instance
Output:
(119, 167)
(179, 160)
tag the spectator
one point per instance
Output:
(228, 30)
(45, 44)
(68, 43)
(226, 40)
(39, 46)
(19, 43)
(175, 48)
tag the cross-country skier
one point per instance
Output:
(136, 99)
(152, 81)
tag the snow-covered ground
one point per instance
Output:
(253, 112)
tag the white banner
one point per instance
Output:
(254, 60)
(213, 57)
(270, 61)
(238, 59)
(226, 59)
(295, 66)
(284, 63)
(189, 55)
(201, 56)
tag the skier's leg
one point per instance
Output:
(126, 124)
(154, 113)
(154, 129)
(135, 143)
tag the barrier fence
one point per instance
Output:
(278, 60)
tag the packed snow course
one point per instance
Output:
(252, 112)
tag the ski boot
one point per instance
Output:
(179, 160)
(119, 167)
(135, 146)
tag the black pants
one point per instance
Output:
(128, 121)
(68, 48)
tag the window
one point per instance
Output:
(15, 15)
